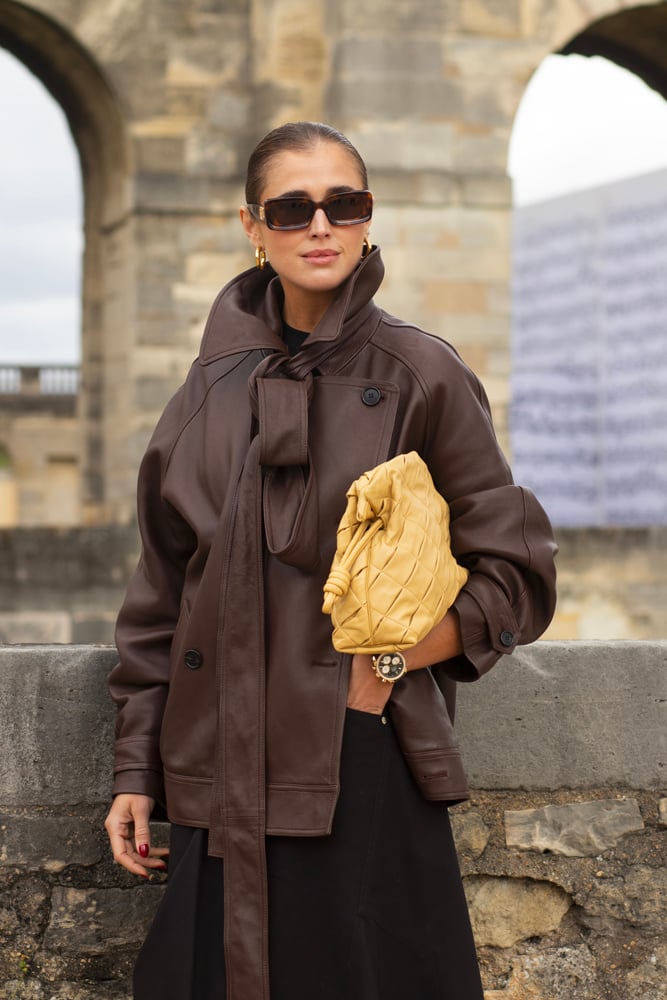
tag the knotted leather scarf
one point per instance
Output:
(275, 505)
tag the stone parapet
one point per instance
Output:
(561, 846)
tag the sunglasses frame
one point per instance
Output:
(259, 211)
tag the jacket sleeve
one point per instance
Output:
(499, 531)
(147, 621)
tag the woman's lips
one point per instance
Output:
(321, 257)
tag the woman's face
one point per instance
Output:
(312, 262)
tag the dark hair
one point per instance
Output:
(293, 136)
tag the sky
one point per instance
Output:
(40, 224)
(582, 123)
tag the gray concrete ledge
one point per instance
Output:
(57, 724)
(568, 715)
(553, 715)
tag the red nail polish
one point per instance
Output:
(143, 850)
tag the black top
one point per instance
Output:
(293, 339)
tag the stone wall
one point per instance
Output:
(63, 585)
(66, 585)
(562, 845)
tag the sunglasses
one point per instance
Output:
(347, 209)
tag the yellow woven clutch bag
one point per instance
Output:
(393, 576)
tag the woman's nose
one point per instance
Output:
(320, 223)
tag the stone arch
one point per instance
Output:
(634, 38)
(78, 84)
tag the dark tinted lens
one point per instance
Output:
(297, 213)
(355, 206)
(288, 213)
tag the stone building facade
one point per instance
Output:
(165, 99)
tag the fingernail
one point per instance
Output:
(143, 850)
(162, 868)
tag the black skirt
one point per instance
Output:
(376, 911)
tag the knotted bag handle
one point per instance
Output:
(338, 581)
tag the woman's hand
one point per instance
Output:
(129, 835)
(366, 692)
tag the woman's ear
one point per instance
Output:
(250, 226)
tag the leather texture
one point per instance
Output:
(393, 576)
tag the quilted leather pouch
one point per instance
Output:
(393, 576)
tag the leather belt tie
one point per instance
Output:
(276, 504)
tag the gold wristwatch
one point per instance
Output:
(389, 667)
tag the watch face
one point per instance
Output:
(390, 666)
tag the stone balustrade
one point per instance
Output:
(39, 380)
(561, 846)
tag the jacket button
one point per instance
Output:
(193, 659)
(507, 638)
(371, 396)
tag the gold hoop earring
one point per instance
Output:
(367, 247)
(260, 258)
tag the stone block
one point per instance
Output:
(160, 154)
(477, 57)
(92, 921)
(49, 843)
(216, 234)
(154, 393)
(96, 629)
(488, 103)
(487, 266)
(207, 269)
(35, 626)
(647, 979)
(412, 145)
(395, 97)
(487, 191)
(454, 297)
(576, 830)
(471, 833)
(497, 18)
(480, 152)
(56, 734)
(568, 715)
(637, 899)
(506, 910)
(228, 109)
(385, 55)
(209, 152)
(159, 331)
(565, 973)
(171, 193)
(360, 16)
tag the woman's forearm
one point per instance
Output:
(442, 643)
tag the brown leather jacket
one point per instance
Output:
(390, 388)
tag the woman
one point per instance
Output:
(324, 788)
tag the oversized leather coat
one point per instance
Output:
(391, 388)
